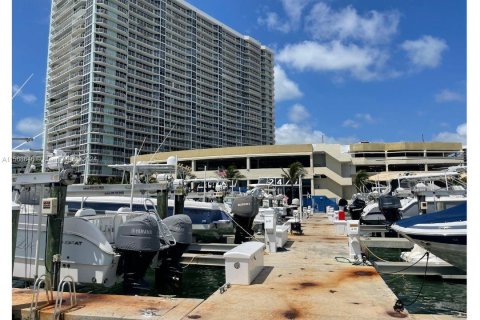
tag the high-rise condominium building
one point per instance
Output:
(152, 74)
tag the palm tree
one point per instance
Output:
(94, 180)
(232, 173)
(360, 178)
(295, 172)
(114, 180)
(184, 172)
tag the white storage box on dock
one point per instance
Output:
(340, 227)
(282, 235)
(352, 227)
(244, 262)
(331, 216)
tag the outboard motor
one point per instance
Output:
(138, 242)
(389, 206)
(170, 271)
(356, 208)
(342, 204)
(244, 210)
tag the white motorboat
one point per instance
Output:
(443, 233)
(408, 188)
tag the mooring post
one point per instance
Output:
(162, 203)
(55, 236)
(15, 218)
(179, 200)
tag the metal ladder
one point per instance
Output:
(35, 293)
(59, 299)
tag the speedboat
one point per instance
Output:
(99, 249)
(417, 193)
(442, 233)
(207, 217)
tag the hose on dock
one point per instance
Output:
(357, 262)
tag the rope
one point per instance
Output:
(251, 235)
(338, 259)
(355, 263)
(400, 276)
(373, 254)
(423, 282)
(399, 305)
(426, 254)
(189, 263)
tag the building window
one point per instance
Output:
(278, 162)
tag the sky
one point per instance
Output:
(345, 71)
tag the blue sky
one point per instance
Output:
(346, 71)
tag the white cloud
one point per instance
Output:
(448, 96)
(425, 52)
(324, 23)
(460, 135)
(290, 133)
(26, 97)
(298, 113)
(273, 22)
(29, 126)
(293, 9)
(285, 89)
(350, 124)
(366, 117)
(359, 118)
(362, 63)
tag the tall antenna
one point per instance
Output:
(145, 138)
(21, 87)
(27, 140)
(161, 144)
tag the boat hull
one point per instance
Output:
(443, 233)
(86, 254)
(451, 249)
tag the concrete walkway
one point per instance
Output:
(306, 282)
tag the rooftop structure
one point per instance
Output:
(406, 156)
(330, 169)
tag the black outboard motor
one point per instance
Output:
(138, 242)
(170, 271)
(356, 208)
(389, 206)
(244, 210)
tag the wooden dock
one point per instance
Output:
(305, 281)
(106, 306)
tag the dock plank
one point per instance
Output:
(104, 306)
(306, 282)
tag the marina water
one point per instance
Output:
(438, 296)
